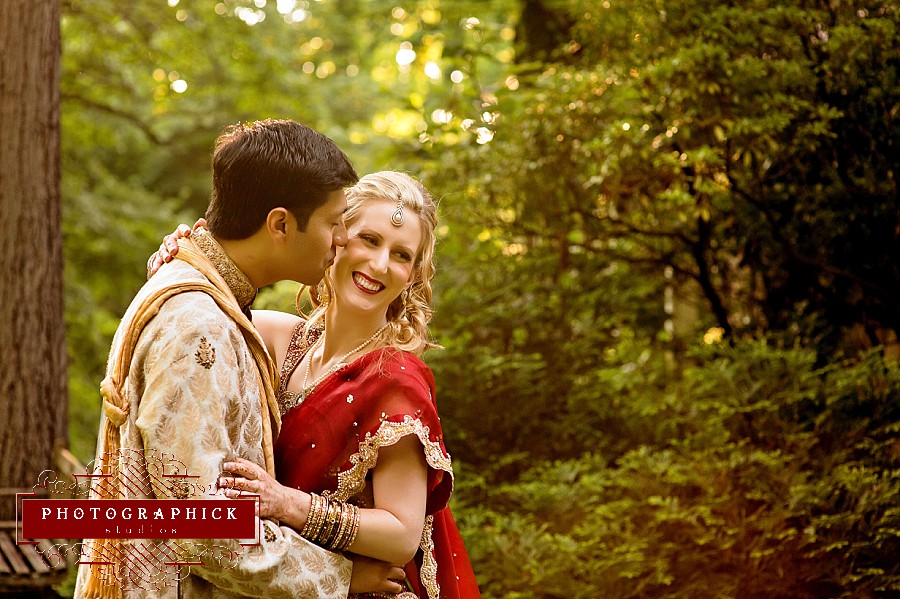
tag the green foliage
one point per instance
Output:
(106, 243)
(735, 146)
(764, 476)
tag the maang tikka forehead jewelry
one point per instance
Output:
(397, 216)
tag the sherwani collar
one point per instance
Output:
(239, 283)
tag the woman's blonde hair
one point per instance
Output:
(407, 329)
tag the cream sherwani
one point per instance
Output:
(193, 392)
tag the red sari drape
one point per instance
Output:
(329, 444)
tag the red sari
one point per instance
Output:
(329, 445)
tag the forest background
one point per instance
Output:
(667, 266)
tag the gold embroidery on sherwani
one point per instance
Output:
(269, 534)
(267, 375)
(206, 354)
(243, 290)
(330, 584)
(315, 562)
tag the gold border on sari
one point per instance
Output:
(353, 481)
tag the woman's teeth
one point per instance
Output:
(367, 284)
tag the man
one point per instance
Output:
(188, 375)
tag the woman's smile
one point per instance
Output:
(367, 284)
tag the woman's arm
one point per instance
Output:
(276, 329)
(390, 531)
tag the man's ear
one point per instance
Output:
(279, 223)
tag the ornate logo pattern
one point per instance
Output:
(130, 564)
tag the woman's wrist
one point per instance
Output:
(331, 524)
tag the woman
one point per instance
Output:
(360, 433)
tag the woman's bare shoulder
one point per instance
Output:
(274, 318)
(275, 328)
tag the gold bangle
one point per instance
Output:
(312, 527)
(323, 526)
(331, 524)
(308, 525)
(354, 527)
(344, 527)
(336, 522)
(354, 530)
(321, 513)
(304, 532)
(348, 535)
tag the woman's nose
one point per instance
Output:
(379, 262)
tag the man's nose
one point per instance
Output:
(340, 235)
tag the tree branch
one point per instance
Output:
(130, 118)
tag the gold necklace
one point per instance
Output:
(306, 390)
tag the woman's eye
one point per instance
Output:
(404, 256)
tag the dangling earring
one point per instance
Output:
(319, 294)
(404, 300)
(322, 293)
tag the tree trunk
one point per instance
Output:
(33, 392)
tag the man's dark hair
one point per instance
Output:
(269, 164)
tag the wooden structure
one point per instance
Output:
(24, 570)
